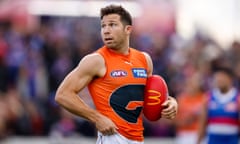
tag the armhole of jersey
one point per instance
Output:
(146, 61)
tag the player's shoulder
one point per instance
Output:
(92, 64)
(138, 51)
(93, 59)
(145, 54)
(148, 59)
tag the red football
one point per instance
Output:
(156, 92)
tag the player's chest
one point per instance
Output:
(126, 71)
(231, 106)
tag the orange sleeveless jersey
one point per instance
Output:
(119, 94)
(190, 106)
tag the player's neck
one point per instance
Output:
(122, 49)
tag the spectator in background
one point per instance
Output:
(233, 57)
(237, 74)
(220, 115)
(190, 102)
(3, 85)
(65, 127)
(3, 67)
(3, 117)
(36, 60)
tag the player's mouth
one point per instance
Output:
(107, 40)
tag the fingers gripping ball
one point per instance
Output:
(155, 93)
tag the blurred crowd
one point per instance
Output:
(34, 62)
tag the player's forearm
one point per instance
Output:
(201, 132)
(202, 125)
(201, 135)
(74, 104)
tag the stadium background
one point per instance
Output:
(42, 40)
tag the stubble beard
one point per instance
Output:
(114, 46)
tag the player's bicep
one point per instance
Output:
(75, 81)
(89, 67)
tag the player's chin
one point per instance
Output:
(111, 46)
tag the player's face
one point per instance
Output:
(222, 81)
(114, 33)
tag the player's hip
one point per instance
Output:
(115, 139)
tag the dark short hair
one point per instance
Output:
(114, 9)
(225, 70)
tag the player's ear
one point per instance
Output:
(128, 29)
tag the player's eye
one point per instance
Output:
(112, 24)
(103, 25)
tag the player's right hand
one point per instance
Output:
(106, 125)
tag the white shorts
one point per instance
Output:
(186, 138)
(115, 139)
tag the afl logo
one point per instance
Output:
(118, 73)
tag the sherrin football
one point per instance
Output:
(155, 93)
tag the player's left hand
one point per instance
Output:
(170, 108)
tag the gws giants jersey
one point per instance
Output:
(119, 94)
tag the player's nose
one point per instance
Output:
(106, 30)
